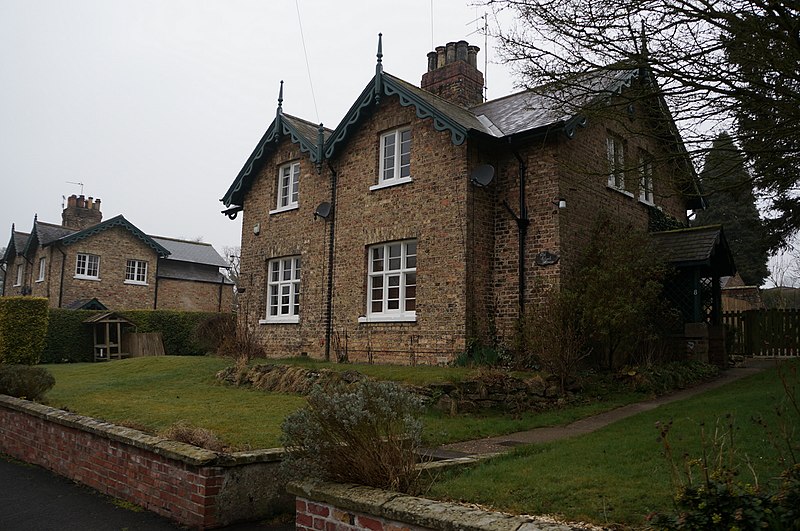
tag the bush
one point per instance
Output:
(68, 340)
(552, 339)
(185, 432)
(367, 433)
(23, 328)
(179, 329)
(663, 378)
(23, 381)
(230, 337)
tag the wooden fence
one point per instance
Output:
(768, 333)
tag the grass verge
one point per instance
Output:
(618, 474)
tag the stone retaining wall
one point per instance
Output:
(193, 486)
(345, 507)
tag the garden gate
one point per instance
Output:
(768, 333)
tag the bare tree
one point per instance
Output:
(719, 65)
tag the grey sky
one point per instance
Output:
(156, 104)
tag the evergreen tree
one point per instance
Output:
(732, 204)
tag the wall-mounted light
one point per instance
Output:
(257, 229)
(560, 203)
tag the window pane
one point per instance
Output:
(377, 259)
(394, 256)
(377, 307)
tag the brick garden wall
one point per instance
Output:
(194, 296)
(344, 507)
(195, 487)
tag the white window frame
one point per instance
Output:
(646, 178)
(288, 188)
(389, 270)
(395, 158)
(136, 272)
(615, 148)
(20, 274)
(86, 271)
(283, 291)
(42, 269)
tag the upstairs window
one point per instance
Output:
(288, 185)
(42, 263)
(136, 272)
(616, 161)
(392, 283)
(646, 178)
(395, 158)
(87, 266)
(20, 272)
(283, 291)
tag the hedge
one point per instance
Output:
(23, 328)
(69, 340)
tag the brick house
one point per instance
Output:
(89, 263)
(429, 219)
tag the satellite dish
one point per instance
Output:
(482, 176)
(323, 210)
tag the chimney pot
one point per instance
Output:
(90, 202)
(72, 201)
(461, 51)
(472, 56)
(97, 204)
(432, 59)
(440, 56)
(450, 53)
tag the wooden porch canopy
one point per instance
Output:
(700, 257)
(107, 334)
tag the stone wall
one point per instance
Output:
(344, 507)
(195, 487)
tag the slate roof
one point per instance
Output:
(194, 252)
(49, 232)
(116, 221)
(86, 304)
(704, 247)
(20, 239)
(191, 271)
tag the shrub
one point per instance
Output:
(367, 433)
(23, 327)
(23, 381)
(68, 340)
(479, 355)
(185, 432)
(552, 338)
(666, 377)
(230, 337)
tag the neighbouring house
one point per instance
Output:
(88, 263)
(738, 297)
(429, 219)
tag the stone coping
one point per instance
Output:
(415, 511)
(178, 451)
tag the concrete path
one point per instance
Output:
(504, 443)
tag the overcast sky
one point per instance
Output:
(154, 105)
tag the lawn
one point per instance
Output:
(619, 474)
(156, 392)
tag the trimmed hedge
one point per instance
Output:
(179, 329)
(68, 339)
(23, 328)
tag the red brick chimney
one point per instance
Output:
(453, 74)
(81, 213)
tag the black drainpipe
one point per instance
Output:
(332, 230)
(522, 229)
(155, 295)
(61, 284)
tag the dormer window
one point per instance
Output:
(616, 161)
(395, 158)
(645, 178)
(42, 263)
(288, 186)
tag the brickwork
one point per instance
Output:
(194, 296)
(183, 483)
(115, 247)
(311, 516)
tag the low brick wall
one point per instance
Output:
(343, 507)
(193, 486)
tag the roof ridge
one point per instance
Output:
(307, 122)
(180, 240)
